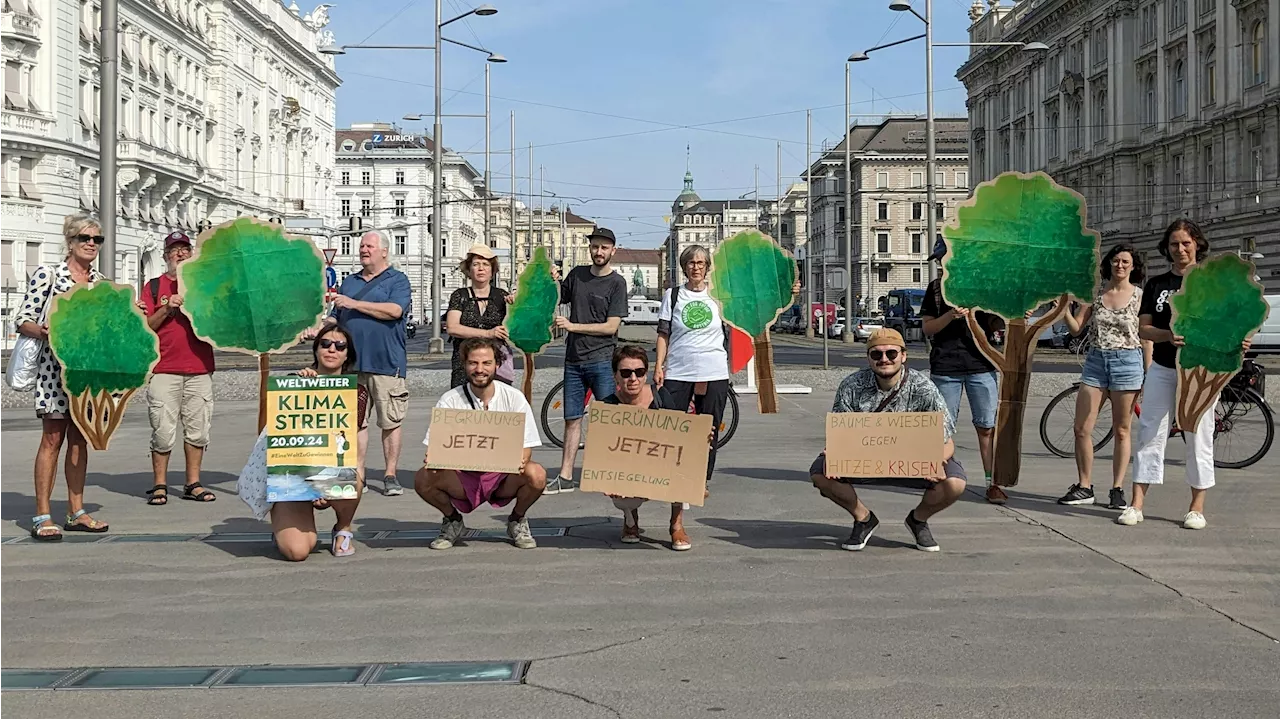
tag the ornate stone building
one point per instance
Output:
(226, 109)
(1151, 109)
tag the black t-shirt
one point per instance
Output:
(592, 300)
(953, 350)
(662, 399)
(1155, 302)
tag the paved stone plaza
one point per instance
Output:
(1030, 610)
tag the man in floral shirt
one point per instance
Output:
(888, 386)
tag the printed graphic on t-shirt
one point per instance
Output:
(1161, 299)
(696, 314)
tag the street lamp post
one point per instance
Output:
(847, 333)
(930, 157)
(437, 188)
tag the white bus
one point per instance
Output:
(641, 311)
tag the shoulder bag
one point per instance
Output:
(24, 362)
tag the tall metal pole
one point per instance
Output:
(542, 212)
(777, 203)
(808, 213)
(757, 191)
(488, 239)
(929, 157)
(530, 236)
(107, 110)
(849, 306)
(512, 226)
(437, 208)
(826, 330)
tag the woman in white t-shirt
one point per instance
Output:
(693, 355)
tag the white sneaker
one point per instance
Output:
(1130, 517)
(1194, 520)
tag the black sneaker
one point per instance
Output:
(924, 537)
(1077, 495)
(862, 531)
(1116, 499)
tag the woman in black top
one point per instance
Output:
(471, 311)
(1184, 245)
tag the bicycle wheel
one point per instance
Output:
(1243, 428)
(553, 415)
(728, 423)
(1058, 424)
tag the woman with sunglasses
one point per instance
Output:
(293, 524)
(83, 236)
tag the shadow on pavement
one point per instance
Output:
(137, 483)
(21, 508)
(769, 534)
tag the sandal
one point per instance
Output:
(157, 499)
(680, 540)
(42, 532)
(188, 492)
(93, 526)
(340, 543)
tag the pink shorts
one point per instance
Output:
(479, 488)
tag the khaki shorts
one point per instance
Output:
(174, 398)
(389, 396)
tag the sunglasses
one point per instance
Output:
(629, 373)
(339, 345)
(95, 239)
(877, 355)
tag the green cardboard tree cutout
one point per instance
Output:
(251, 289)
(532, 312)
(106, 350)
(753, 280)
(1020, 241)
(1219, 306)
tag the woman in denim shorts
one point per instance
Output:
(1113, 369)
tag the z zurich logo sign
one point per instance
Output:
(377, 139)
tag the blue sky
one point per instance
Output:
(585, 69)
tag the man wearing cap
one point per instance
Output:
(889, 386)
(180, 391)
(373, 304)
(597, 299)
(957, 366)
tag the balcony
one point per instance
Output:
(17, 121)
(21, 23)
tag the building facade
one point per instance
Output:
(1151, 109)
(563, 233)
(384, 181)
(226, 109)
(889, 205)
(695, 221)
(642, 271)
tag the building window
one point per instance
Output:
(1100, 116)
(1100, 46)
(1206, 6)
(1148, 24)
(917, 243)
(402, 244)
(1052, 139)
(1258, 53)
(917, 179)
(1255, 158)
(1177, 14)
(882, 180)
(840, 213)
(1076, 111)
(1209, 79)
(364, 178)
(444, 247)
(346, 177)
(366, 208)
(941, 211)
(399, 177)
(915, 275)
(1175, 171)
(882, 242)
(884, 273)
(917, 210)
(1148, 186)
(346, 208)
(882, 210)
(962, 178)
(1151, 111)
(1210, 170)
(346, 244)
(939, 179)
(398, 211)
(1178, 89)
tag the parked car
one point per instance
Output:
(1267, 341)
(837, 328)
(864, 327)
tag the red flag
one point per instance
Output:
(741, 349)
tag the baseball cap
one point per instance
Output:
(177, 237)
(886, 336)
(603, 233)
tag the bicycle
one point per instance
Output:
(553, 417)
(1233, 419)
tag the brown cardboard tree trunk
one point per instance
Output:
(264, 371)
(527, 383)
(1198, 389)
(98, 415)
(765, 384)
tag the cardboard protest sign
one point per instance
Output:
(532, 311)
(475, 440)
(651, 453)
(1219, 306)
(1019, 242)
(107, 352)
(752, 278)
(311, 438)
(884, 444)
(250, 288)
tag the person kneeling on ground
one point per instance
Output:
(457, 492)
(889, 386)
